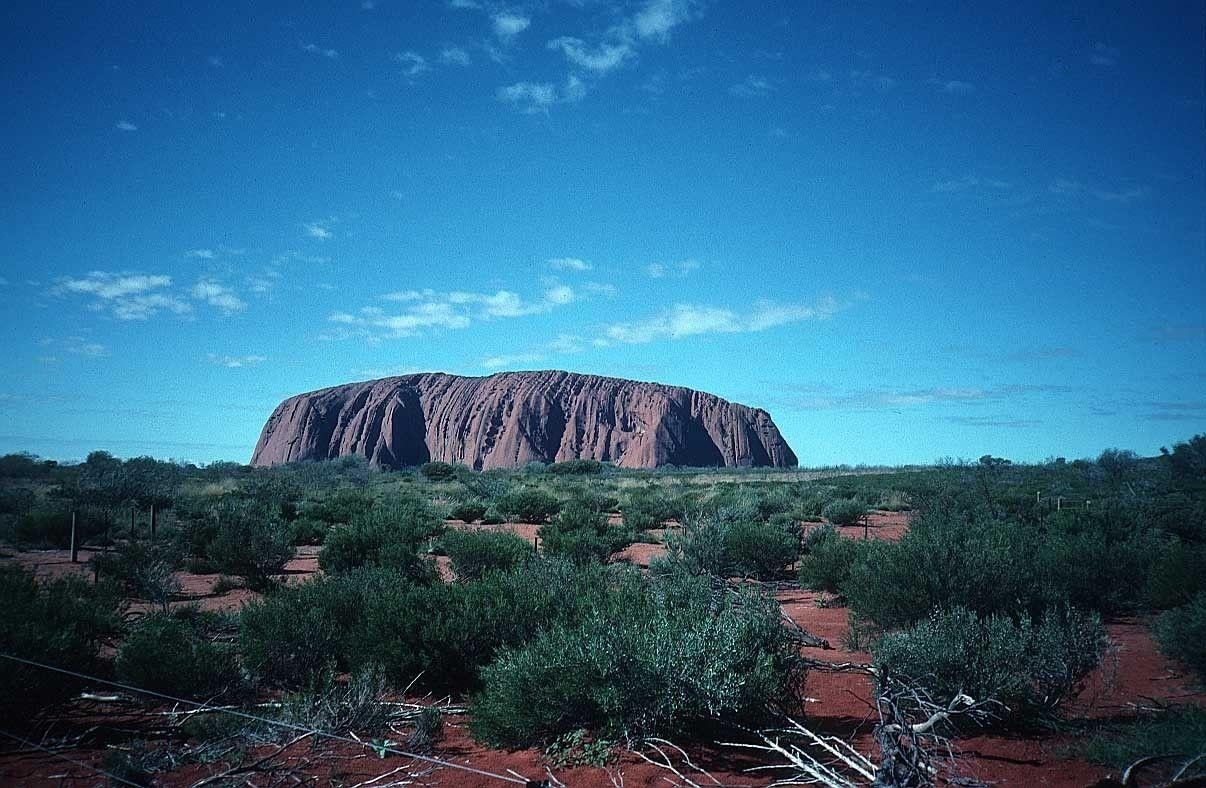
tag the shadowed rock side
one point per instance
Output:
(513, 418)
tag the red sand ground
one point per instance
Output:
(1134, 674)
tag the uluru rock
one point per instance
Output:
(513, 418)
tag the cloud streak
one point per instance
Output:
(432, 310)
(691, 320)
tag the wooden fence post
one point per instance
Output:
(133, 533)
(75, 551)
(152, 522)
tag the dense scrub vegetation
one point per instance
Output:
(998, 589)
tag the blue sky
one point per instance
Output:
(909, 231)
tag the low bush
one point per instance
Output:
(1179, 732)
(661, 654)
(308, 531)
(291, 636)
(474, 553)
(144, 570)
(56, 622)
(1181, 633)
(760, 550)
(468, 512)
(248, 538)
(172, 654)
(328, 704)
(1028, 666)
(727, 543)
(446, 632)
(582, 535)
(1178, 576)
(388, 535)
(528, 505)
(829, 559)
(948, 558)
(49, 526)
(844, 511)
(576, 467)
(437, 471)
(649, 509)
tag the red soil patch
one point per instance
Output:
(880, 525)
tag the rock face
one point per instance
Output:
(513, 418)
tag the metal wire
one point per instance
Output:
(278, 723)
(62, 757)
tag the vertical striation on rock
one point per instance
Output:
(513, 418)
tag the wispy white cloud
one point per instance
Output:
(314, 49)
(619, 45)
(79, 346)
(125, 125)
(659, 17)
(531, 97)
(218, 296)
(509, 24)
(454, 56)
(200, 254)
(861, 79)
(413, 64)
(214, 61)
(898, 399)
(955, 87)
(1065, 187)
(316, 230)
(689, 320)
(1104, 55)
(111, 286)
(235, 362)
(569, 264)
(680, 269)
(600, 58)
(564, 344)
(431, 309)
(751, 87)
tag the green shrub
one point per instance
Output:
(306, 530)
(844, 511)
(948, 558)
(327, 704)
(468, 512)
(292, 635)
(1029, 667)
(437, 471)
(1178, 576)
(446, 632)
(474, 553)
(528, 505)
(729, 542)
(389, 535)
(649, 510)
(171, 654)
(144, 569)
(57, 622)
(582, 535)
(1181, 633)
(251, 540)
(575, 467)
(759, 550)
(829, 558)
(50, 526)
(1177, 732)
(660, 655)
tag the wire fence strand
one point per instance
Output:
(268, 721)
